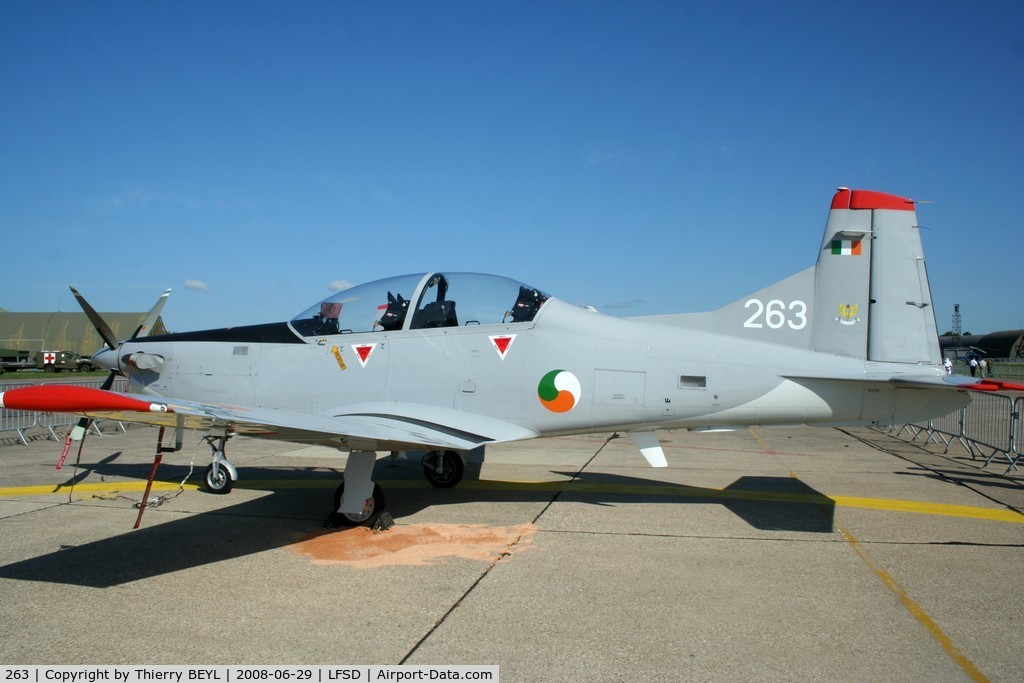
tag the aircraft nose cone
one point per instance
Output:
(106, 359)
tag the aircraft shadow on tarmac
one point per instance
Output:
(290, 513)
(767, 503)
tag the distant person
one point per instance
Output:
(973, 365)
(983, 367)
(949, 366)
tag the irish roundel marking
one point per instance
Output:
(559, 391)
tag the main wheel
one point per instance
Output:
(220, 484)
(371, 509)
(443, 469)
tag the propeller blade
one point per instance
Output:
(147, 323)
(103, 329)
(97, 321)
(109, 381)
(79, 431)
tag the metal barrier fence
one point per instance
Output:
(1018, 433)
(988, 428)
(21, 421)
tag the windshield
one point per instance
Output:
(441, 300)
(357, 309)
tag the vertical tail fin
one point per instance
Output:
(872, 298)
(866, 297)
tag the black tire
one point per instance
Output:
(220, 485)
(373, 508)
(452, 469)
(49, 367)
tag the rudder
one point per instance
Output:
(872, 295)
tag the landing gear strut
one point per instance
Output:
(443, 469)
(221, 475)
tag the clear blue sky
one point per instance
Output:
(642, 157)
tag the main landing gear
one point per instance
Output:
(373, 508)
(443, 469)
(360, 501)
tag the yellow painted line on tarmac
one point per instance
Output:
(759, 440)
(915, 609)
(97, 487)
(654, 489)
(921, 508)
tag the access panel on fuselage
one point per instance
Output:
(326, 374)
(478, 368)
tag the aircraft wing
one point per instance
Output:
(368, 426)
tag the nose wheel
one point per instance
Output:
(221, 475)
(443, 469)
(218, 480)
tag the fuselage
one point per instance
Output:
(564, 370)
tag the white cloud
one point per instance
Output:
(197, 285)
(340, 285)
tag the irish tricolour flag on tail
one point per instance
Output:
(846, 247)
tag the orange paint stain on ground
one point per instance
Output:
(414, 545)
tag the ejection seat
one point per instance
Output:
(526, 305)
(394, 316)
(435, 314)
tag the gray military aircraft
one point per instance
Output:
(450, 362)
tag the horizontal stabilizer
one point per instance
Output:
(957, 382)
(950, 382)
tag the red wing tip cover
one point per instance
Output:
(868, 199)
(71, 399)
(994, 385)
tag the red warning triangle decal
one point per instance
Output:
(501, 343)
(363, 352)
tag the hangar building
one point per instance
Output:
(1005, 344)
(65, 331)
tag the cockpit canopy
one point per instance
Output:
(422, 301)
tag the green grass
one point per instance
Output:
(38, 375)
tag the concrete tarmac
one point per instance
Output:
(786, 554)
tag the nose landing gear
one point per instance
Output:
(221, 475)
